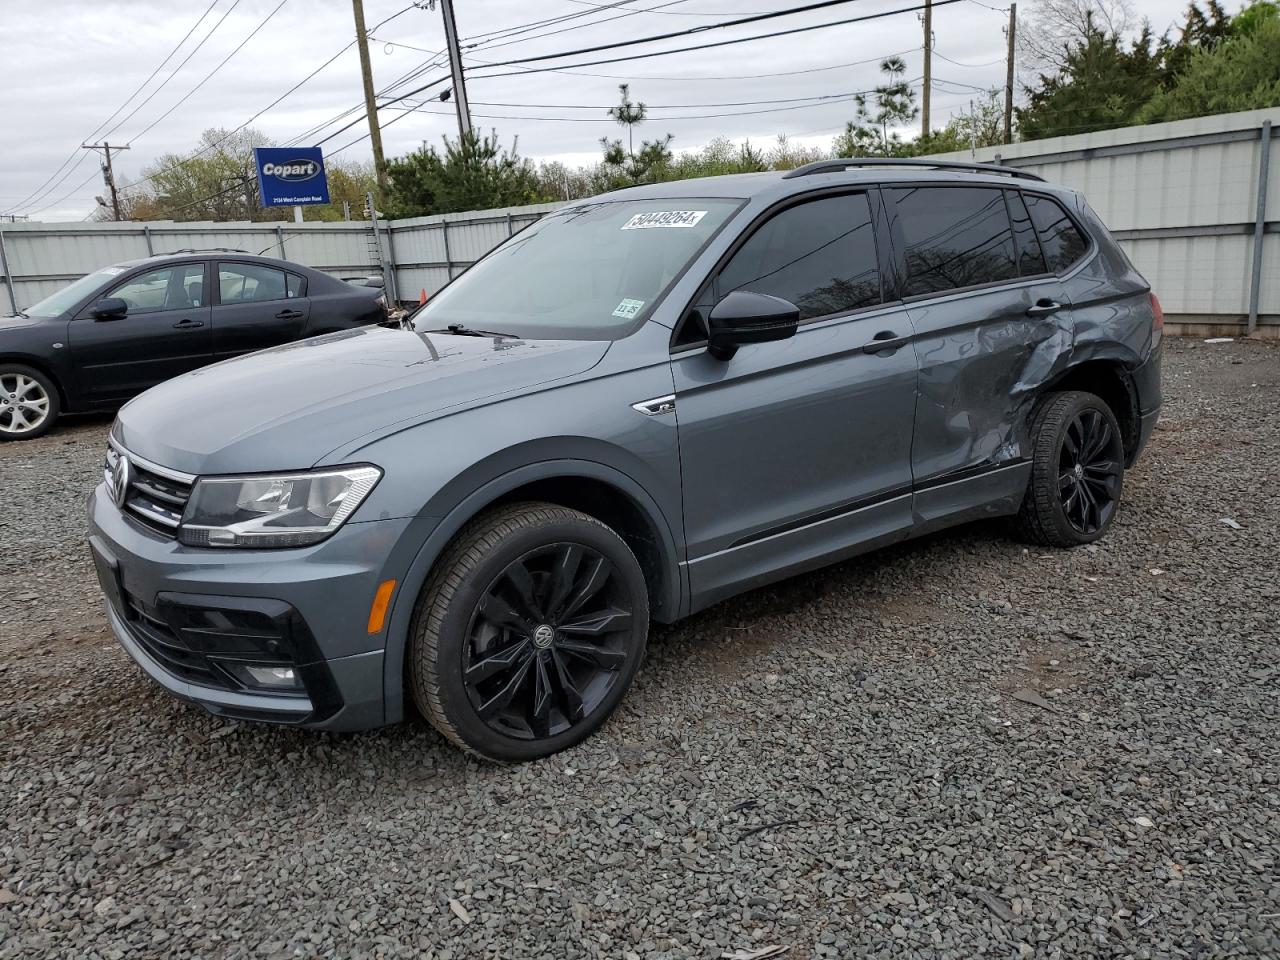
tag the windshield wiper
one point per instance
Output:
(459, 330)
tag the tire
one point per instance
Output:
(1077, 471)
(567, 647)
(29, 402)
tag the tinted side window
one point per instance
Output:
(295, 285)
(169, 288)
(955, 237)
(1030, 258)
(820, 255)
(1062, 240)
(250, 283)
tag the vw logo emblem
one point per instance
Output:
(120, 480)
(543, 636)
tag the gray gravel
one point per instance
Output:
(957, 748)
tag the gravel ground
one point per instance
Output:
(956, 748)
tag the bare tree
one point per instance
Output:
(1055, 26)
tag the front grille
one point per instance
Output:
(153, 498)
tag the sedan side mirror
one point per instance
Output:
(744, 317)
(110, 308)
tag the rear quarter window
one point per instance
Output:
(1062, 241)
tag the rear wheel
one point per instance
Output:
(28, 402)
(529, 632)
(1077, 471)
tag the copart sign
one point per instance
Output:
(291, 176)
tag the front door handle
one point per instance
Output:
(288, 314)
(188, 324)
(886, 341)
(1043, 307)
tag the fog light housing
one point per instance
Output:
(263, 676)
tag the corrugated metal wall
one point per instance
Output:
(1182, 198)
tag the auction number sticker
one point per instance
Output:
(628, 309)
(664, 218)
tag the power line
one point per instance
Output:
(209, 76)
(520, 71)
(740, 21)
(490, 45)
(176, 70)
(989, 63)
(74, 192)
(701, 77)
(35, 195)
(824, 101)
(704, 46)
(215, 144)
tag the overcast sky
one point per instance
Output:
(67, 65)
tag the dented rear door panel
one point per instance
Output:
(982, 357)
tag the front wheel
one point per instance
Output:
(28, 403)
(529, 632)
(1077, 471)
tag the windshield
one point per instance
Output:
(55, 305)
(589, 273)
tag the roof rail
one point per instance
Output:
(174, 253)
(835, 166)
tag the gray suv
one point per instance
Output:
(641, 405)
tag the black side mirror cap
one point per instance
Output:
(110, 308)
(744, 317)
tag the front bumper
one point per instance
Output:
(192, 618)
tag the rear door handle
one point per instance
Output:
(1043, 308)
(886, 341)
(188, 324)
(288, 314)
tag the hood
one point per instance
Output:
(13, 321)
(285, 408)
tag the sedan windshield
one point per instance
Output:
(56, 304)
(588, 273)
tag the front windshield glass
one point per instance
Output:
(55, 305)
(589, 273)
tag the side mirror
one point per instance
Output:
(744, 317)
(110, 308)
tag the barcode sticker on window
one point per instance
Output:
(628, 309)
(664, 218)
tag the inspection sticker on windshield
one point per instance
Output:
(664, 218)
(628, 309)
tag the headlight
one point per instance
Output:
(285, 510)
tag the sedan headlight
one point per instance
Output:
(284, 510)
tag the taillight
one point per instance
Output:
(1157, 315)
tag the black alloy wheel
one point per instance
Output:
(1077, 471)
(1091, 466)
(528, 632)
(547, 641)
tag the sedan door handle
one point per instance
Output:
(885, 341)
(1043, 308)
(288, 314)
(188, 324)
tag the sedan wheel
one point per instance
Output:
(28, 403)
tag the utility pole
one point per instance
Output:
(1008, 83)
(107, 173)
(928, 67)
(370, 103)
(455, 67)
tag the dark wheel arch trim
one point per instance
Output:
(673, 592)
(1110, 378)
